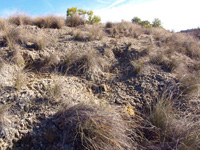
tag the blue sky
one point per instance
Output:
(174, 14)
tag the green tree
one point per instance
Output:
(95, 19)
(145, 23)
(156, 22)
(83, 14)
(71, 11)
(136, 20)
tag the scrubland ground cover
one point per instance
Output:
(118, 86)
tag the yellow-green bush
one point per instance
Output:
(81, 16)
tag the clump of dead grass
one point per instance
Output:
(55, 91)
(50, 21)
(126, 29)
(137, 66)
(179, 42)
(167, 130)
(81, 36)
(166, 64)
(189, 84)
(94, 128)
(1, 63)
(93, 32)
(88, 63)
(20, 80)
(5, 122)
(75, 20)
(20, 19)
(37, 41)
(145, 51)
(17, 58)
(10, 35)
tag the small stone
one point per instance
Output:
(15, 140)
(22, 124)
(17, 134)
(30, 45)
(23, 131)
(29, 120)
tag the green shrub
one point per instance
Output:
(82, 15)
(145, 23)
(156, 22)
(136, 20)
(95, 19)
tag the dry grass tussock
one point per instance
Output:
(94, 128)
(166, 130)
(93, 32)
(75, 20)
(38, 41)
(55, 91)
(20, 80)
(127, 29)
(20, 19)
(189, 84)
(81, 35)
(1, 63)
(17, 58)
(137, 65)
(167, 64)
(11, 35)
(88, 63)
(50, 21)
(4, 121)
(179, 42)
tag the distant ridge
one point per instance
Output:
(194, 32)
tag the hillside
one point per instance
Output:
(117, 86)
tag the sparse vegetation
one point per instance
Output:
(137, 67)
(1, 63)
(92, 33)
(145, 51)
(90, 127)
(10, 35)
(97, 86)
(156, 22)
(166, 63)
(20, 19)
(170, 130)
(55, 91)
(125, 29)
(51, 21)
(88, 64)
(39, 42)
(20, 80)
(18, 59)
